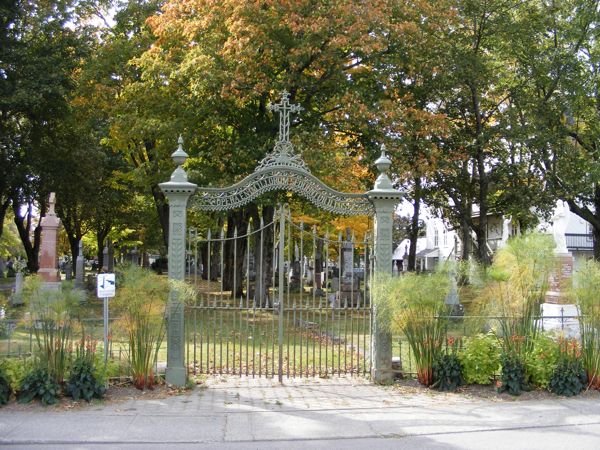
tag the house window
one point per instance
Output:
(588, 231)
(445, 237)
(436, 238)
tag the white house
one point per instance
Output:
(441, 242)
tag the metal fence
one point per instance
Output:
(236, 326)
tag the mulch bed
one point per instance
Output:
(484, 392)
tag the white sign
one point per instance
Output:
(106, 285)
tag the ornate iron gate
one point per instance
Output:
(281, 170)
(312, 318)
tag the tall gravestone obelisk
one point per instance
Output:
(50, 224)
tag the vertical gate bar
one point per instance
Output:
(314, 277)
(235, 274)
(281, 250)
(302, 325)
(253, 340)
(233, 331)
(227, 309)
(222, 268)
(301, 262)
(273, 274)
(272, 316)
(353, 240)
(289, 255)
(339, 304)
(248, 244)
(338, 324)
(247, 338)
(288, 338)
(200, 361)
(293, 330)
(260, 343)
(346, 338)
(240, 333)
(327, 339)
(352, 343)
(263, 287)
(195, 329)
(327, 242)
(221, 312)
(214, 339)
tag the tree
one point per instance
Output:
(560, 72)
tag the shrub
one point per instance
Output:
(569, 378)
(541, 361)
(15, 370)
(5, 388)
(414, 306)
(480, 358)
(40, 384)
(83, 382)
(513, 376)
(447, 369)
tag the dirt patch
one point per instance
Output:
(483, 392)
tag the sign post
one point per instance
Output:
(105, 288)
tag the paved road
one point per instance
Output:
(336, 414)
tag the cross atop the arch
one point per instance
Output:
(284, 108)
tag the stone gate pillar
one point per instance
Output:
(385, 199)
(178, 191)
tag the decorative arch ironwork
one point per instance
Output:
(282, 170)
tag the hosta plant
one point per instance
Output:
(83, 382)
(40, 384)
(447, 369)
(512, 377)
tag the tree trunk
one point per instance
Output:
(235, 251)
(101, 235)
(3, 208)
(23, 223)
(263, 258)
(162, 209)
(414, 227)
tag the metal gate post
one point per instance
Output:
(281, 289)
(385, 199)
(178, 192)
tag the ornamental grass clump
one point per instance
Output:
(140, 303)
(516, 286)
(52, 318)
(414, 306)
(587, 287)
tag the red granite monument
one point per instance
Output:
(48, 252)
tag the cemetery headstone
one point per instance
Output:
(561, 277)
(48, 253)
(79, 266)
(16, 298)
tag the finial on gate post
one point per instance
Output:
(383, 164)
(179, 155)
